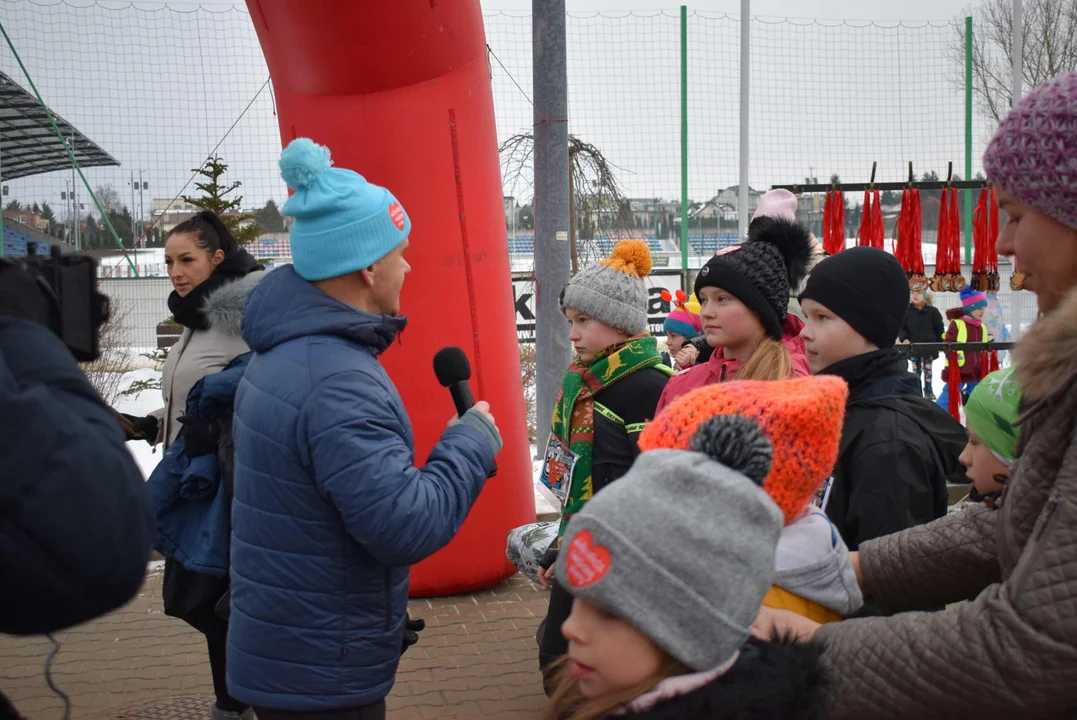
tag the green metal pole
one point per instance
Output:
(968, 137)
(684, 137)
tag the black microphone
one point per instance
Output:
(453, 371)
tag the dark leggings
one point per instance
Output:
(216, 632)
(193, 597)
(922, 367)
(375, 711)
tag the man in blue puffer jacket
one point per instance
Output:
(329, 509)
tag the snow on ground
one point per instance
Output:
(141, 404)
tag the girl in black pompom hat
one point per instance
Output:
(743, 293)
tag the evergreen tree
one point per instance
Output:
(13, 205)
(244, 226)
(91, 238)
(270, 217)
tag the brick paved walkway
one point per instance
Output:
(476, 658)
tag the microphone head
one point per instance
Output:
(451, 366)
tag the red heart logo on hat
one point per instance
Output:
(726, 251)
(586, 562)
(396, 213)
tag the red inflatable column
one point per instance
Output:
(400, 92)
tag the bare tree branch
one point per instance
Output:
(601, 209)
(1049, 40)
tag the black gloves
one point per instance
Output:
(26, 296)
(200, 436)
(140, 428)
(412, 628)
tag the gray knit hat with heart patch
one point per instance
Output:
(682, 547)
(613, 291)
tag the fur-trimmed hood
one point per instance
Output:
(778, 680)
(1046, 357)
(224, 307)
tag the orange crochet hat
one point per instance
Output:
(802, 418)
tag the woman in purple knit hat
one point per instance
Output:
(1010, 651)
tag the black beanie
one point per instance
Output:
(866, 288)
(760, 272)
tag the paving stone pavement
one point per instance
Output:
(476, 658)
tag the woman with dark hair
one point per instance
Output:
(211, 276)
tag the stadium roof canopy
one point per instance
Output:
(28, 145)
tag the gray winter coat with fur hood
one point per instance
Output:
(1011, 651)
(204, 352)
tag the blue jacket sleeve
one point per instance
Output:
(364, 463)
(75, 521)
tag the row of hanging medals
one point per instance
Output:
(907, 248)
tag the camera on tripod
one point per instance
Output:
(77, 310)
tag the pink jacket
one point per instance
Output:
(718, 368)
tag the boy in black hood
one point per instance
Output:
(897, 449)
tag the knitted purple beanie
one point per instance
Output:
(1034, 153)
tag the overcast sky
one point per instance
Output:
(831, 9)
(826, 97)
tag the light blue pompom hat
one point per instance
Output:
(342, 222)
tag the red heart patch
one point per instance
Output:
(396, 213)
(586, 561)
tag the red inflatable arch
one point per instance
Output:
(400, 92)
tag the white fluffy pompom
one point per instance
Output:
(302, 162)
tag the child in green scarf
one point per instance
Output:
(609, 392)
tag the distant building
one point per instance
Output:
(168, 213)
(29, 218)
(167, 205)
(648, 212)
(725, 206)
(811, 202)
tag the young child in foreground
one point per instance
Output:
(668, 568)
(802, 420)
(990, 414)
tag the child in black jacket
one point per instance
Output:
(923, 324)
(607, 396)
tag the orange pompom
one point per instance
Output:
(630, 256)
(802, 418)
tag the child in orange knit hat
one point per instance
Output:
(802, 418)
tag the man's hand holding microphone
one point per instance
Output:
(454, 371)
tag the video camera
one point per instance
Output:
(77, 309)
